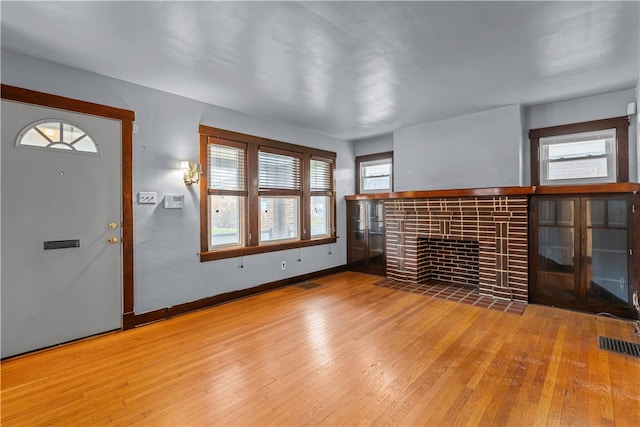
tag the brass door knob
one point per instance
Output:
(113, 240)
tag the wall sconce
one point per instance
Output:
(191, 172)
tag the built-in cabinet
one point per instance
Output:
(581, 253)
(574, 246)
(366, 244)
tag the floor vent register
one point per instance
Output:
(619, 346)
(308, 285)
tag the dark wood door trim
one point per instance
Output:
(126, 117)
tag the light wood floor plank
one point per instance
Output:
(345, 353)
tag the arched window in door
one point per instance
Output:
(57, 135)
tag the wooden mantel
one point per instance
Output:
(619, 187)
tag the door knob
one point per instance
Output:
(113, 225)
(113, 240)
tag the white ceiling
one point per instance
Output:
(346, 69)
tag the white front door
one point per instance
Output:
(53, 197)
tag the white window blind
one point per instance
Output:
(321, 176)
(279, 171)
(226, 168)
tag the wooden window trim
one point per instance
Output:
(370, 158)
(621, 125)
(254, 145)
(331, 194)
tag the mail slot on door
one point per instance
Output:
(61, 244)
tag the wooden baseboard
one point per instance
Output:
(128, 321)
(176, 310)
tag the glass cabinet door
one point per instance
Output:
(357, 230)
(366, 245)
(556, 249)
(376, 234)
(607, 252)
(581, 254)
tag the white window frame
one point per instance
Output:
(609, 138)
(362, 162)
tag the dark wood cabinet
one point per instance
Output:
(366, 242)
(581, 253)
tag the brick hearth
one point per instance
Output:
(497, 224)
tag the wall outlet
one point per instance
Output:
(283, 265)
(147, 198)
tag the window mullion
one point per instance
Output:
(306, 198)
(205, 215)
(253, 204)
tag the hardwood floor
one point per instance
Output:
(344, 353)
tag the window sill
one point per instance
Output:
(253, 250)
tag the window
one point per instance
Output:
(57, 135)
(375, 173)
(226, 191)
(321, 176)
(280, 186)
(263, 195)
(581, 153)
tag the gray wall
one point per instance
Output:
(374, 145)
(472, 151)
(613, 104)
(491, 148)
(167, 268)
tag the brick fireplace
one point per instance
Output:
(468, 240)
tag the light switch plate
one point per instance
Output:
(147, 198)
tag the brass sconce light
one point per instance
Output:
(191, 172)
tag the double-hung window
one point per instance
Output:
(581, 153)
(280, 190)
(374, 173)
(577, 157)
(321, 177)
(227, 193)
(263, 195)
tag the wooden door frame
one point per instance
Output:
(126, 117)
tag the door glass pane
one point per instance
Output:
(556, 273)
(71, 133)
(565, 212)
(595, 213)
(376, 233)
(607, 268)
(547, 212)
(617, 213)
(35, 139)
(58, 135)
(357, 237)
